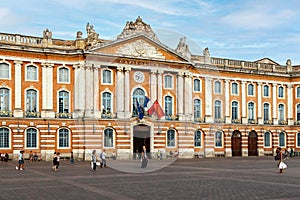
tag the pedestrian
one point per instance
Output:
(114, 157)
(20, 161)
(72, 158)
(57, 160)
(144, 158)
(54, 159)
(30, 156)
(281, 164)
(103, 158)
(94, 160)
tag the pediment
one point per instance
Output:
(139, 47)
(267, 61)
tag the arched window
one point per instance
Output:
(281, 112)
(31, 100)
(4, 99)
(298, 92)
(108, 138)
(282, 139)
(31, 73)
(106, 103)
(106, 76)
(64, 138)
(63, 102)
(280, 92)
(138, 97)
(168, 106)
(218, 139)
(63, 74)
(234, 88)
(4, 138)
(197, 85)
(235, 110)
(197, 108)
(217, 109)
(197, 138)
(218, 89)
(298, 112)
(4, 71)
(31, 138)
(266, 112)
(250, 89)
(171, 142)
(250, 111)
(267, 139)
(168, 81)
(266, 90)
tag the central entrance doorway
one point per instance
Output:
(236, 143)
(141, 137)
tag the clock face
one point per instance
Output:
(139, 76)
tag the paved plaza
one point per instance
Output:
(209, 178)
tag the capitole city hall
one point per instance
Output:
(84, 94)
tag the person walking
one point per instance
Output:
(144, 158)
(72, 158)
(54, 160)
(281, 164)
(103, 158)
(20, 161)
(94, 160)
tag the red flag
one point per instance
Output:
(156, 108)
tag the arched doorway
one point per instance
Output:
(141, 137)
(252, 144)
(236, 143)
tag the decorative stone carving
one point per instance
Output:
(79, 35)
(183, 48)
(140, 48)
(92, 36)
(206, 55)
(137, 27)
(47, 34)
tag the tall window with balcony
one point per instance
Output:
(106, 105)
(168, 107)
(234, 89)
(217, 88)
(31, 138)
(250, 89)
(266, 90)
(282, 139)
(171, 138)
(63, 75)
(4, 71)
(267, 139)
(251, 119)
(197, 138)
(235, 112)
(31, 103)
(197, 87)
(4, 138)
(4, 102)
(138, 99)
(281, 120)
(106, 77)
(197, 110)
(280, 92)
(64, 138)
(218, 116)
(218, 139)
(267, 114)
(63, 100)
(31, 73)
(108, 138)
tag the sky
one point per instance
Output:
(246, 30)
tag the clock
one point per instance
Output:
(139, 77)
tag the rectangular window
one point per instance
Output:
(31, 140)
(108, 138)
(106, 76)
(32, 73)
(168, 81)
(267, 139)
(63, 75)
(4, 71)
(63, 138)
(218, 139)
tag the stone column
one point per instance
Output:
(127, 93)
(227, 103)
(180, 95)
(159, 88)
(290, 98)
(153, 85)
(120, 93)
(89, 95)
(274, 106)
(259, 103)
(47, 96)
(18, 112)
(188, 97)
(97, 110)
(244, 103)
(208, 101)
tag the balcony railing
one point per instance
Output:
(198, 119)
(252, 121)
(236, 121)
(269, 122)
(29, 114)
(6, 113)
(64, 115)
(219, 120)
(106, 116)
(282, 122)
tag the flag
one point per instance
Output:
(146, 101)
(140, 110)
(155, 108)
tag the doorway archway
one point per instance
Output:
(252, 144)
(236, 143)
(141, 137)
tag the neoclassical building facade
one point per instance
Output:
(88, 93)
